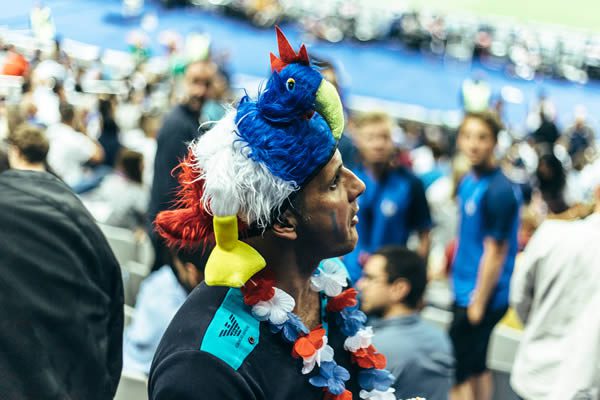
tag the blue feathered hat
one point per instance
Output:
(240, 172)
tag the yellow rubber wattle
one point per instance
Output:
(232, 262)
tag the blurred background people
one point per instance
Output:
(14, 63)
(109, 131)
(70, 150)
(419, 355)
(123, 193)
(487, 245)
(579, 137)
(555, 292)
(179, 127)
(394, 204)
(551, 183)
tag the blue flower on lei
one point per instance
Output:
(350, 320)
(291, 329)
(378, 379)
(331, 376)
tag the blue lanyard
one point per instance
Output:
(324, 312)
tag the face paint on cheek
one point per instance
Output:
(335, 224)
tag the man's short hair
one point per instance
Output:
(490, 118)
(198, 257)
(67, 112)
(131, 164)
(372, 117)
(402, 263)
(31, 143)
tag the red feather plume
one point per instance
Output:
(287, 54)
(188, 225)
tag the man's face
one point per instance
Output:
(198, 81)
(187, 274)
(477, 142)
(328, 219)
(374, 286)
(374, 141)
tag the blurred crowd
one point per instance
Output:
(522, 50)
(115, 136)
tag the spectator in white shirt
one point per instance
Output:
(556, 293)
(160, 296)
(69, 149)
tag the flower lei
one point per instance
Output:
(275, 306)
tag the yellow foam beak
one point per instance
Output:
(329, 106)
(232, 262)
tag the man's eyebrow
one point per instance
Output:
(339, 168)
(332, 177)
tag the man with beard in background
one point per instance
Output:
(179, 127)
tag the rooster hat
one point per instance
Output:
(238, 176)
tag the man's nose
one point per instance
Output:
(357, 186)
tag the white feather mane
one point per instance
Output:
(235, 184)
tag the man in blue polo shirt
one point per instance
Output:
(487, 246)
(394, 204)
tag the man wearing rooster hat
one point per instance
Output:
(267, 187)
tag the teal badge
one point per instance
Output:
(233, 332)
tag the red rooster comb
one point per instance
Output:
(287, 53)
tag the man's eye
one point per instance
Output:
(335, 182)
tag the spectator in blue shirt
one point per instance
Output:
(487, 245)
(394, 204)
(419, 354)
(160, 296)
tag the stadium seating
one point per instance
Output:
(127, 247)
(133, 275)
(128, 311)
(132, 387)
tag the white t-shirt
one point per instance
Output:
(69, 150)
(554, 290)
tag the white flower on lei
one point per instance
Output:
(361, 340)
(331, 277)
(276, 309)
(378, 395)
(324, 354)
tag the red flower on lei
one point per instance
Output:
(261, 287)
(345, 299)
(308, 345)
(369, 358)
(347, 395)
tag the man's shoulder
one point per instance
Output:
(418, 329)
(177, 115)
(404, 174)
(502, 189)
(40, 187)
(420, 340)
(177, 125)
(213, 320)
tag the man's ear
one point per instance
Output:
(399, 290)
(195, 277)
(285, 226)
